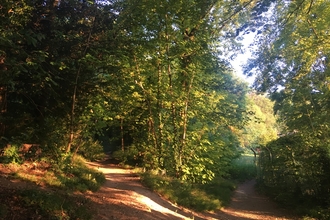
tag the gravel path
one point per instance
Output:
(123, 197)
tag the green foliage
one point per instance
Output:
(284, 175)
(291, 65)
(130, 156)
(184, 97)
(243, 168)
(73, 174)
(91, 150)
(261, 126)
(148, 70)
(200, 197)
(11, 154)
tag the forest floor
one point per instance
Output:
(123, 197)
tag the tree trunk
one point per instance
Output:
(122, 134)
(3, 108)
(74, 94)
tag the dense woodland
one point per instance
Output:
(150, 83)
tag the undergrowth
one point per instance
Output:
(67, 173)
(309, 208)
(64, 176)
(203, 197)
(243, 168)
(200, 197)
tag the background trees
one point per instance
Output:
(183, 87)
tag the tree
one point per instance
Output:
(149, 69)
(47, 44)
(261, 127)
(171, 62)
(292, 66)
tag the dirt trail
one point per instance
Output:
(123, 197)
(248, 204)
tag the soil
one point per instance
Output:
(122, 197)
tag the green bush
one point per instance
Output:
(295, 172)
(75, 175)
(92, 150)
(130, 156)
(11, 154)
(243, 168)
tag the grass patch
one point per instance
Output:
(77, 176)
(207, 197)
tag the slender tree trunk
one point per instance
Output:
(174, 139)
(151, 123)
(74, 94)
(160, 125)
(77, 148)
(3, 108)
(122, 134)
(74, 98)
(185, 121)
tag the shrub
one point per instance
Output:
(11, 154)
(75, 175)
(130, 156)
(92, 150)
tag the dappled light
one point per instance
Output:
(148, 84)
(123, 192)
(123, 188)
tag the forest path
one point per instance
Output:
(123, 197)
(246, 204)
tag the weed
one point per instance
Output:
(64, 173)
